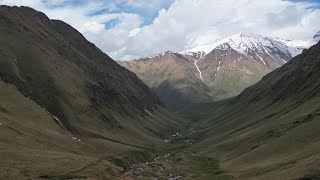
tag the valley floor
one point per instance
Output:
(178, 162)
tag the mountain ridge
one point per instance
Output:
(66, 105)
(250, 39)
(224, 69)
(260, 132)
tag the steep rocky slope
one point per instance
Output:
(62, 98)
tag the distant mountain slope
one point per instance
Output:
(172, 76)
(270, 130)
(62, 98)
(215, 71)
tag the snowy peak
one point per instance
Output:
(241, 42)
(266, 50)
(166, 53)
(245, 42)
(249, 44)
(297, 46)
(197, 54)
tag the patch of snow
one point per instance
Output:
(266, 51)
(61, 125)
(200, 73)
(195, 54)
(157, 55)
(261, 59)
(219, 66)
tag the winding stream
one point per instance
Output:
(164, 166)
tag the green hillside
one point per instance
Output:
(67, 109)
(270, 130)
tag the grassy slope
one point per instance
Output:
(270, 130)
(106, 106)
(40, 148)
(236, 73)
(32, 144)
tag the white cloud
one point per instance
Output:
(188, 23)
(134, 32)
(185, 24)
(92, 26)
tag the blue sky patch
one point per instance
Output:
(149, 11)
(112, 23)
(316, 2)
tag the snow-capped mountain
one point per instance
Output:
(297, 46)
(255, 45)
(217, 70)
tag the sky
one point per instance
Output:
(131, 29)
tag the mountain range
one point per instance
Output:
(215, 71)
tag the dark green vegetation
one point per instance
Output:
(67, 110)
(271, 130)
